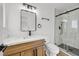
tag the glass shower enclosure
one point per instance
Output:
(67, 32)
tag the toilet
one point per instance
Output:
(51, 49)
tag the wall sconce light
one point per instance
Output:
(30, 7)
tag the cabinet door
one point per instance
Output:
(29, 52)
(40, 51)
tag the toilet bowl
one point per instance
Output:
(51, 49)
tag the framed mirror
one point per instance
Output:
(28, 21)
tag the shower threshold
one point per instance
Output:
(69, 50)
(66, 52)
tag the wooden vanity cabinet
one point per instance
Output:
(33, 48)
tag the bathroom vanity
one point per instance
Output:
(31, 48)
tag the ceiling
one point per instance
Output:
(60, 7)
(57, 5)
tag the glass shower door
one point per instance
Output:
(67, 32)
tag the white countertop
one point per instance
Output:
(13, 40)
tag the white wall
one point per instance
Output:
(1, 22)
(13, 21)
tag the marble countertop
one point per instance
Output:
(13, 41)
